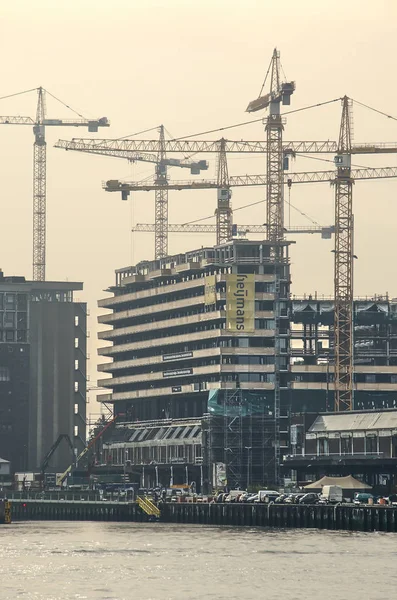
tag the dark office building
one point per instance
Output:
(42, 371)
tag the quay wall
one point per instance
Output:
(69, 510)
(343, 516)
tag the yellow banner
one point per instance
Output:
(240, 302)
(210, 290)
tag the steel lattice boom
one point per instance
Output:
(241, 230)
(113, 185)
(344, 268)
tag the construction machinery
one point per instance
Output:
(46, 460)
(91, 443)
(39, 170)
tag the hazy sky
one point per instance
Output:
(194, 66)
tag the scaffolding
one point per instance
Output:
(240, 435)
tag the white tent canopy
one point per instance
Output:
(346, 483)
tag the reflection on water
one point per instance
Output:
(112, 561)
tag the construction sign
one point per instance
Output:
(240, 302)
(210, 290)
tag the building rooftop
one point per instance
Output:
(19, 283)
(355, 421)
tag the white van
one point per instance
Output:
(331, 494)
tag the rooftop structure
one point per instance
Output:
(362, 443)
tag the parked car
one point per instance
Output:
(392, 499)
(281, 498)
(331, 494)
(310, 498)
(267, 495)
(252, 498)
(294, 498)
(363, 498)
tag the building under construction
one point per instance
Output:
(200, 349)
(204, 384)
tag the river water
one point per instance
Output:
(114, 561)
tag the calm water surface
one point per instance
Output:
(112, 561)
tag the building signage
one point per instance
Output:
(176, 388)
(240, 302)
(219, 475)
(210, 290)
(177, 356)
(177, 372)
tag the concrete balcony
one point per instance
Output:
(247, 368)
(166, 375)
(183, 357)
(215, 315)
(152, 309)
(183, 339)
(183, 371)
(171, 288)
(188, 389)
(163, 359)
(370, 369)
(364, 387)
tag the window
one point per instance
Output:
(371, 444)
(22, 302)
(76, 321)
(76, 365)
(370, 378)
(9, 320)
(4, 374)
(346, 445)
(76, 342)
(10, 301)
(10, 336)
(76, 386)
(323, 446)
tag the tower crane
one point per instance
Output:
(223, 212)
(161, 194)
(39, 171)
(280, 93)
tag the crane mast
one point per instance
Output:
(274, 142)
(161, 201)
(223, 212)
(343, 267)
(39, 190)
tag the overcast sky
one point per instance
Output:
(194, 66)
